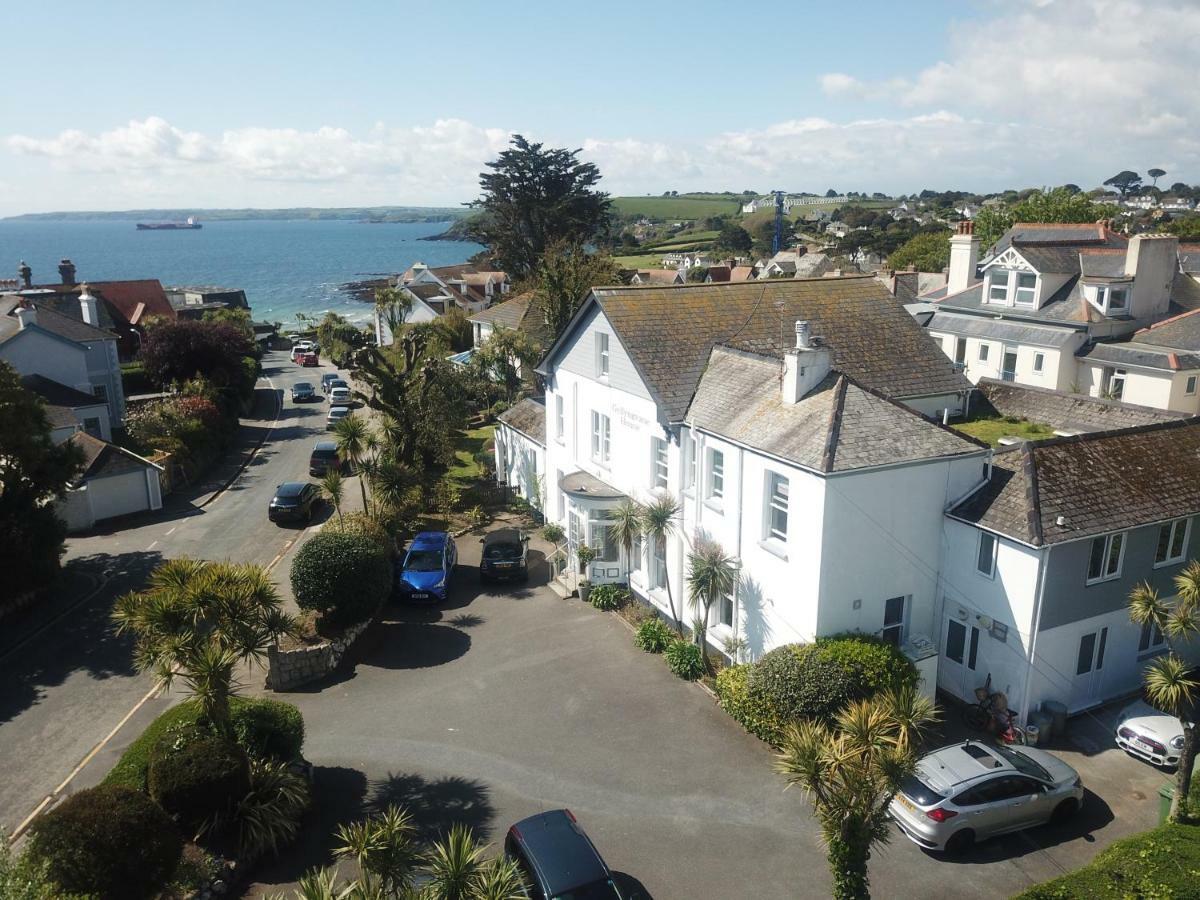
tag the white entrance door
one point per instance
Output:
(1087, 687)
(574, 533)
(960, 659)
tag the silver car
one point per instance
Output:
(335, 415)
(969, 792)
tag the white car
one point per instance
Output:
(340, 396)
(336, 414)
(1148, 734)
(303, 346)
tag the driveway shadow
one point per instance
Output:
(436, 805)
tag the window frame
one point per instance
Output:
(1151, 640)
(1039, 362)
(984, 351)
(1031, 289)
(1172, 528)
(601, 438)
(727, 602)
(560, 419)
(775, 501)
(994, 283)
(712, 492)
(658, 564)
(603, 359)
(1189, 386)
(896, 626)
(100, 392)
(1106, 557)
(990, 572)
(660, 473)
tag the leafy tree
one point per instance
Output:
(734, 238)
(200, 620)
(712, 575)
(33, 471)
(1125, 181)
(927, 252)
(564, 276)
(239, 318)
(534, 198)
(1187, 228)
(504, 358)
(658, 523)
(1155, 174)
(1055, 205)
(851, 771)
(338, 337)
(1168, 679)
(175, 352)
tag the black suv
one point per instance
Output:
(324, 457)
(505, 556)
(293, 502)
(557, 860)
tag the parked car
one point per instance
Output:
(335, 415)
(328, 378)
(1148, 734)
(423, 574)
(304, 346)
(324, 457)
(340, 396)
(293, 502)
(310, 359)
(337, 382)
(558, 860)
(505, 555)
(303, 392)
(969, 792)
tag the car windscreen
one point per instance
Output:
(919, 792)
(1022, 763)
(502, 550)
(599, 890)
(324, 454)
(423, 561)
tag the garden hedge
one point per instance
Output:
(264, 728)
(109, 842)
(751, 710)
(195, 775)
(343, 577)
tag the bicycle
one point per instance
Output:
(986, 715)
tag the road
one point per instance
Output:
(68, 686)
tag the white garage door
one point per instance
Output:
(118, 495)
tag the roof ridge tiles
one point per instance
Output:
(833, 428)
(1033, 508)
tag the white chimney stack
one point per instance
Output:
(27, 316)
(805, 365)
(964, 258)
(89, 307)
(1152, 260)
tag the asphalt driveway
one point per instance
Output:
(509, 701)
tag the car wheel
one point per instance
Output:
(960, 842)
(1065, 811)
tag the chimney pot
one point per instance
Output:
(25, 274)
(803, 335)
(66, 271)
(965, 227)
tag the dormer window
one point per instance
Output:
(998, 286)
(1110, 299)
(1118, 299)
(1026, 288)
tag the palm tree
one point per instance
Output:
(658, 523)
(1167, 679)
(200, 620)
(333, 489)
(850, 771)
(353, 443)
(712, 575)
(386, 849)
(625, 526)
(453, 864)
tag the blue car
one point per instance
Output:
(423, 575)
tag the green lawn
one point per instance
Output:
(683, 239)
(640, 261)
(992, 429)
(674, 207)
(465, 468)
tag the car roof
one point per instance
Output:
(560, 851)
(428, 540)
(326, 446)
(291, 488)
(338, 411)
(302, 384)
(956, 765)
(502, 535)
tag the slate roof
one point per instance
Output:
(657, 276)
(75, 330)
(1143, 355)
(102, 459)
(718, 273)
(523, 312)
(1180, 332)
(1099, 483)
(134, 300)
(1189, 258)
(1050, 234)
(57, 394)
(1103, 263)
(528, 417)
(1068, 412)
(838, 426)
(741, 273)
(1018, 332)
(669, 333)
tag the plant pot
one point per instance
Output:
(585, 590)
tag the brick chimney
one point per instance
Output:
(25, 274)
(66, 271)
(805, 365)
(89, 307)
(964, 258)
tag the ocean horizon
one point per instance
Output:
(286, 267)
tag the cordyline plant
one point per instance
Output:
(198, 621)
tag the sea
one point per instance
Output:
(285, 267)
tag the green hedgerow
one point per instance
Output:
(195, 775)
(653, 636)
(798, 682)
(109, 842)
(871, 664)
(608, 596)
(751, 710)
(343, 577)
(684, 659)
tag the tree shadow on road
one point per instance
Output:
(436, 805)
(409, 645)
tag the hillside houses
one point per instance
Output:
(433, 291)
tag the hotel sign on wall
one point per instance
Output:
(629, 418)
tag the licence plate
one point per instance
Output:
(503, 565)
(905, 802)
(1144, 747)
(420, 596)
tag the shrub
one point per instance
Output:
(108, 841)
(685, 659)
(20, 879)
(798, 682)
(871, 664)
(267, 817)
(194, 775)
(653, 636)
(343, 577)
(361, 525)
(264, 728)
(608, 596)
(553, 532)
(747, 708)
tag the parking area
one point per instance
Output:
(509, 700)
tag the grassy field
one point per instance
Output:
(640, 261)
(675, 208)
(683, 239)
(992, 429)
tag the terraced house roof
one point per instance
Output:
(1097, 483)
(669, 333)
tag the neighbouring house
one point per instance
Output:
(70, 410)
(717, 274)
(658, 277)
(194, 302)
(434, 291)
(1069, 307)
(521, 313)
(793, 421)
(112, 482)
(1039, 564)
(796, 263)
(521, 450)
(37, 340)
(1065, 412)
(742, 273)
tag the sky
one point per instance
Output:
(123, 105)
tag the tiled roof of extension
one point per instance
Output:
(839, 426)
(529, 418)
(1143, 355)
(1068, 412)
(1180, 332)
(101, 459)
(669, 333)
(1098, 483)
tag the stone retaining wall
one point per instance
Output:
(289, 669)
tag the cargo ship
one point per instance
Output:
(190, 225)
